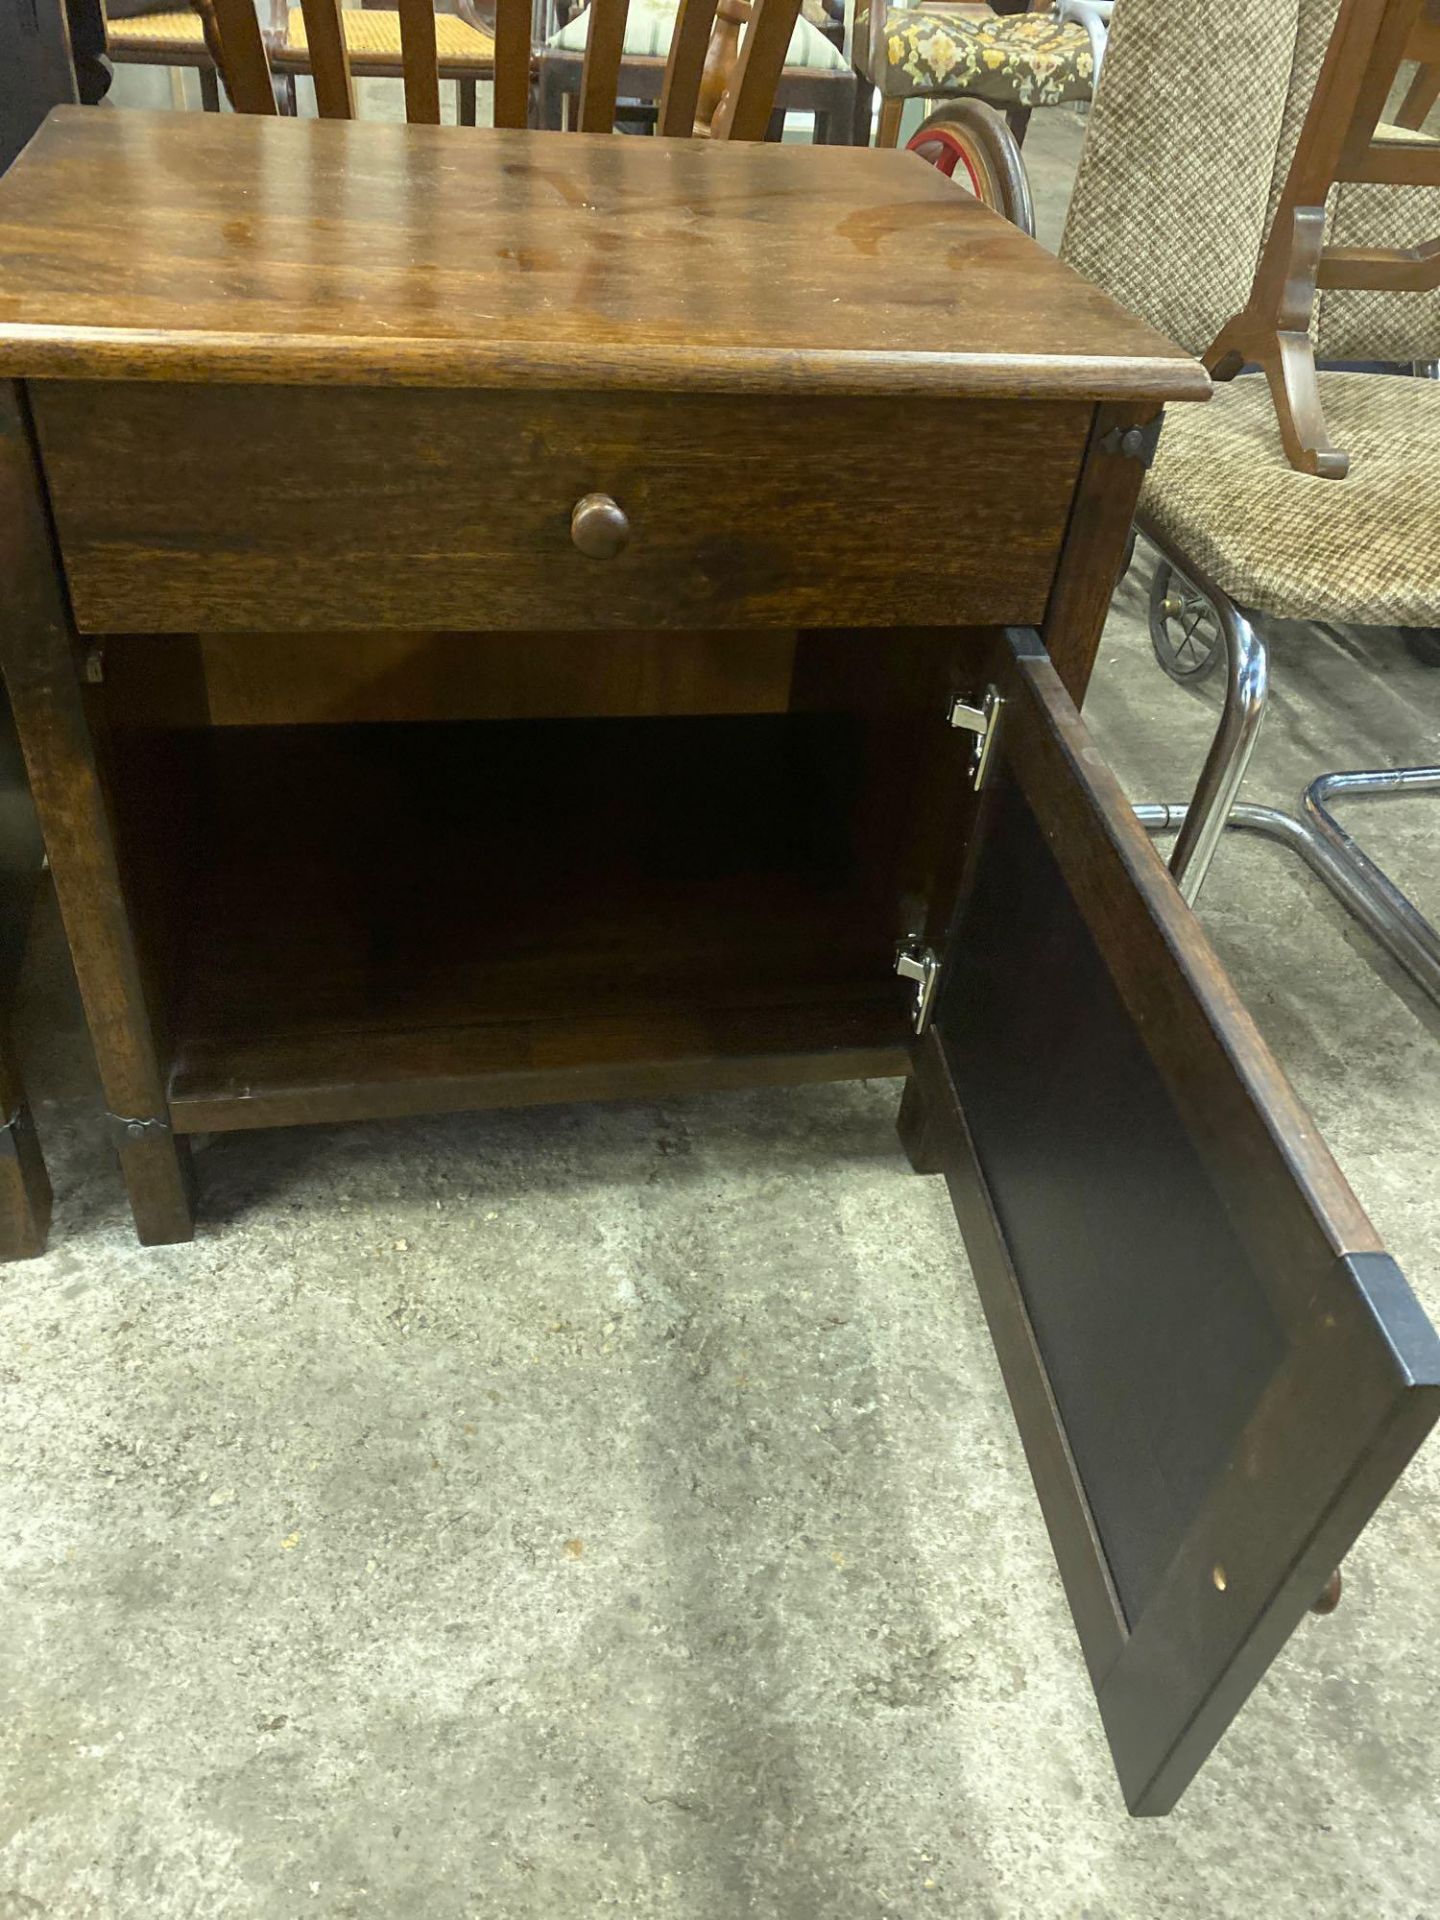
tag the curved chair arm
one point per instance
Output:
(1094, 16)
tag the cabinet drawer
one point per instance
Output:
(233, 507)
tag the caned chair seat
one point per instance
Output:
(368, 37)
(1364, 550)
(376, 37)
(158, 33)
(1010, 60)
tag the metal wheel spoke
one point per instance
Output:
(1197, 639)
(1189, 650)
(1184, 630)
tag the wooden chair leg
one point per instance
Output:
(209, 90)
(1018, 119)
(892, 112)
(465, 102)
(862, 112)
(41, 653)
(839, 118)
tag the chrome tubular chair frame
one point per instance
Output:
(1247, 684)
(1365, 890)
(1094, 16)
(1332, 854)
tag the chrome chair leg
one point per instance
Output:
(1247, 681)
(1362, 888)
(1392, 916)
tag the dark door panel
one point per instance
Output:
(1216, 1370)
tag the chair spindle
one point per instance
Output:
(421, 61)
(329, 62)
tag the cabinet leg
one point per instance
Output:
(160, 1181)
(24, 1189)
(914, 1133)
(41, 654)
(1329, 1594)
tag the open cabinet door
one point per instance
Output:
(1216, 1371)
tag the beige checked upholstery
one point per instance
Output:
(1349, 325)
(1380, 326)
(1170, 199)
(1171, 205)
(1364, 550)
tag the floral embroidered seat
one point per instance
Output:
(1011, 60)
(951, 49)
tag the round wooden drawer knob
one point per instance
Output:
(599, 527)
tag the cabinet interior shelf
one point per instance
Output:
(406, 918)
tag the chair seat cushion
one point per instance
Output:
(377, 35)
(1011, 60)
(1364, 550)
(650, 26)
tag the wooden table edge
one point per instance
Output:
(37, 352)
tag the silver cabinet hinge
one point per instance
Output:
(915, 961)
(1135, 443)
(983, 721)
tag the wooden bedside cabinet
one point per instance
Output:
(611, 625)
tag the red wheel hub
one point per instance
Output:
(946, 153)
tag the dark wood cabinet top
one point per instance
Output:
(177, 246)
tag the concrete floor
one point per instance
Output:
(617, 1509)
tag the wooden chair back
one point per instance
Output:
(237, 45)
(1424, 49)
(1342, 140)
